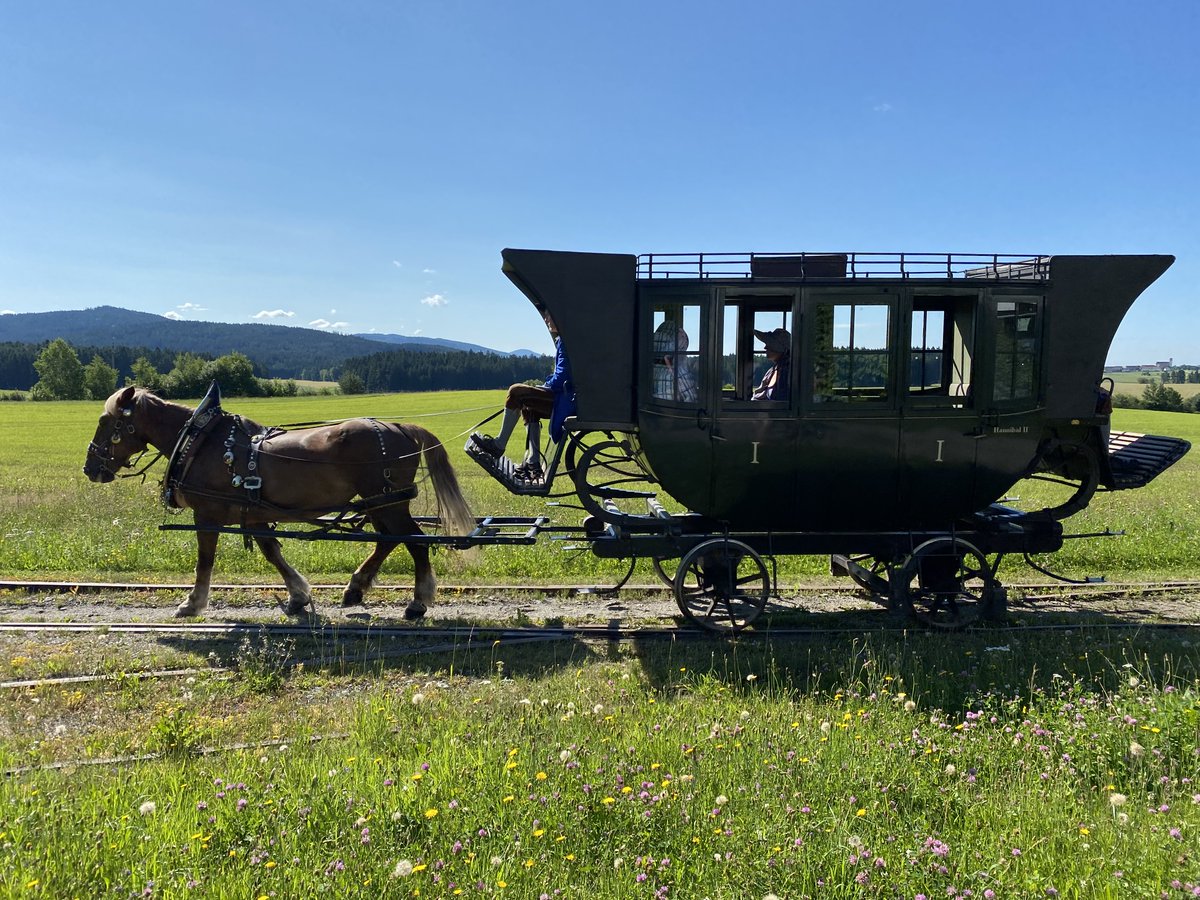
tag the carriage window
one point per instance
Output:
(744, 360)
(939, 362)
(851, 352)
(675, 353)
(1016, 350)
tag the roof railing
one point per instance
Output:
(825, 265)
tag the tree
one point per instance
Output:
(60, 373)
(99, 378)
(145, 375)
(235, 373)
(352, 383)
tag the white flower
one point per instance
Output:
(597, 709)
(722, 800)
(950, 770)
(909, 705)
(752, 677)
(564, 755)
(1117, 799)
(1134, 681)
(403, 869)
(825, 727)
(1136, 749)
(418, 698)
(147, 808)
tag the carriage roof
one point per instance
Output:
(594, 300)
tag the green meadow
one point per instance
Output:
(1003, 762)
(57, 525)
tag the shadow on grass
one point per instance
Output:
(793, 653)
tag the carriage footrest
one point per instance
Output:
(1136, 459)
(503, 470)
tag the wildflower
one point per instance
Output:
(403, 869)
(722, 800)
(564, 755)
(1117, 799)
(430, 813)
(1136, 749)
(147, 808)
(950, 769)
(418, 699)
(909, 706)
(825, 727)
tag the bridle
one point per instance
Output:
(105, 457)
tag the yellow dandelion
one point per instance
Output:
(508, 799)
(861, 813)
(529, 863)
(271, 864)
(538, 832)
(608, 801)
(541, 776)
(431, 812)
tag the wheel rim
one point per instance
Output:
(947, 583)
(666, 568)
(722, 585)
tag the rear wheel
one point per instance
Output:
(948, 584)
(722, 585)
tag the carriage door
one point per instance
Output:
(1011, 423)
(672, 402)
(754, 441)
(849, 429)
(939, 430)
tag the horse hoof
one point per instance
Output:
(352, 601)
(296, 608)
(413, 613)
(185, 611)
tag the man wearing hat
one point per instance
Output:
(775, 383)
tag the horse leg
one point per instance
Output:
(299, 595)
(424, 582)
(364, 575)
(206, 554)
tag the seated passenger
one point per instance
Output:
(554, 400)
(674, 378)
(775, 383)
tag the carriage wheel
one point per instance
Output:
(948, 584)
(722, 585)
(666, 568)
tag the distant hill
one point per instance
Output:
(414, 342)
(279, 351)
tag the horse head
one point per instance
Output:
(117, 438)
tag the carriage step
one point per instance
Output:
(1137, 458)
(503, 470)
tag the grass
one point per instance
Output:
(894, 766)
(995, 763)
(57, 525)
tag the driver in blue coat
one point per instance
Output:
(554, 400)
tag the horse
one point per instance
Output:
(229, 470)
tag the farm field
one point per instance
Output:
(856, 760)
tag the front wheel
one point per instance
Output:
(722, 585)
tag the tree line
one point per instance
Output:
(59, 373)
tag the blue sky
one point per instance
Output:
(360, 165)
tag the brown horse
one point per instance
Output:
(231, 471)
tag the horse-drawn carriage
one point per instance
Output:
(905, 394)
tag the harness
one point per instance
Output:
(191, 436)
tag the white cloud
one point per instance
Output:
(193, 306)
(882, 107)
(435, 300)
(173, 315)
(429, 271)
(325, 323)
(333, 312)
(417, 332)
(397, 264)
(272, 314)
(8, 312)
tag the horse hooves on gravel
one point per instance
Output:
(412, 613)
(296, 607)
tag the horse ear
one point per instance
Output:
(126, 396)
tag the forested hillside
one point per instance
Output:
(278, 351)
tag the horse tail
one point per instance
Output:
(456, 515)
